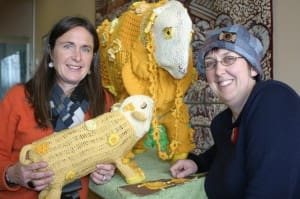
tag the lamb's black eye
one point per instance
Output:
(144, 105)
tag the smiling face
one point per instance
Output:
(72, 56)
(233, 83)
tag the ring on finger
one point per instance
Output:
(104, 178)
(30, 184)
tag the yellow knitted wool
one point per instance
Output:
(75, 152)
(129, 67)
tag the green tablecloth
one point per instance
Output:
(154, 169)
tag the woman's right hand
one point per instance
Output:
(34, 176)
(183, 168)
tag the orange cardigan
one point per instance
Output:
(18, 128)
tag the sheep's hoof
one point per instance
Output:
(139, 177)
(179, 156)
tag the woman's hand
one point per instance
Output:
(183, 168)
(103, 173)
(33, 176)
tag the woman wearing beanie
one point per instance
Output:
(257, 138)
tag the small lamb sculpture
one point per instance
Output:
(73, 153)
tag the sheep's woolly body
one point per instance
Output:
(130, 66)
(75, 152)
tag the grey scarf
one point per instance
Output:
(66, 113)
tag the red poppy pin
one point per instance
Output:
(234, 135)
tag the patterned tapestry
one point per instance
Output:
(206, 15)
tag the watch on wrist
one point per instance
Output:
(8, 181)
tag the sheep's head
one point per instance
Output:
(138, 109)
(172, 33)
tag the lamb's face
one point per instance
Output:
(172, 33)
(138, 109)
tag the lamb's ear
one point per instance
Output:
(140, 116)
(115, 107)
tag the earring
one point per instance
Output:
(89, 72)
(50, 64)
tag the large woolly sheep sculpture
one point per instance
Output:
(108, 138)
(147, 51)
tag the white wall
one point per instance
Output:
(286, 42)
(48, 12)
(16, 18)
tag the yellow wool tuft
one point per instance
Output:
(42, 148)
(90, 125)
(70, 176)
(113, 139)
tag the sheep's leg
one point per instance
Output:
(43, 194)
(51, 193)
(130, 171)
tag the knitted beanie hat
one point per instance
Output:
(235, 38)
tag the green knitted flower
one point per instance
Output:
(163, 138)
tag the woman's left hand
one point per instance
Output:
(103, 173)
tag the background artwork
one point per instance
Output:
(207, 15)
(110, 9)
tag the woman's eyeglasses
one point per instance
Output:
(211, 63)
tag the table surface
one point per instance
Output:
(154, 169)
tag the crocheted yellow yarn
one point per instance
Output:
(160, 184)
(129, 66)
(75, 152)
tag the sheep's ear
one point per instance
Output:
(140, 116)
(115, 107)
